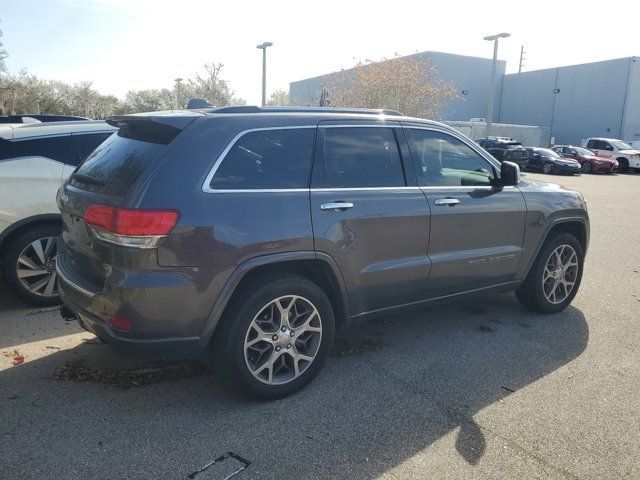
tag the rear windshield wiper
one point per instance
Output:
(88, 179)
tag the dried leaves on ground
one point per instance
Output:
(159, 371)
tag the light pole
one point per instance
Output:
(263, 47)
(178, 80)
(492, 93)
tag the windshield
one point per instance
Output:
(547, 152)
(621, 145)
(583, 151)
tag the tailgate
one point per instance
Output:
(112, 175)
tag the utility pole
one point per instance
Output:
(492, 93)
(522, 59)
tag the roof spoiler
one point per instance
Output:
(195, 103)
(154, 128)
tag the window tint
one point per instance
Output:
(361, 157)
(444, 160)
(267, 159)
(67, 149)
(59, 149)
(117, 164)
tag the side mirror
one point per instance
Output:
(509, 174)
(537, 156)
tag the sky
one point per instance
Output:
(122, 45)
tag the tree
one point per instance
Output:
(406, 84)
(3, 55)
(279, 98)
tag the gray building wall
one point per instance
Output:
(576, 102)
(469, 74)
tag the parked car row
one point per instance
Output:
(602, 155)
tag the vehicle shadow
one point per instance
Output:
(392, 388)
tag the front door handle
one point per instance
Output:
(447, 202)
(336, 206)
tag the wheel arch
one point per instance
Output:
(19, 227)
(317, 267)
(577, 226)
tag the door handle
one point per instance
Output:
(336, 206)
(447, 202)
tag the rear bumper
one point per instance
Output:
(163, 310)
(165, 348)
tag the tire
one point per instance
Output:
(542, 291)
(256, 310)
(623, 165)
(547, 168)
(586, 167)
(28, 265)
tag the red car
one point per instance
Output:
(590, 162)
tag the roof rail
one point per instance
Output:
(256, 109)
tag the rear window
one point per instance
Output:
(116, 165)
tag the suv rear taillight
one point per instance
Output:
(128, 227)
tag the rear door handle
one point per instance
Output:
(336, 206)
(447, 202)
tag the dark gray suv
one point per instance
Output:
(255, 234)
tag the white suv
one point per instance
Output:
(625, 154)
(34, 161)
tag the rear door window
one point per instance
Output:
(267, 159)
(361, 157)
(60, 149)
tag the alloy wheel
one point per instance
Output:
(36, 267)
(547, 168)
(283, 340)
(560, 274)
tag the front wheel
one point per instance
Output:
(586, 167)
(554, 278)
(547, 168)
(276, 339)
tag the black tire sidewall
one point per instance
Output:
(10, 258)
(533, 284)
(238, 322)
(586, 168)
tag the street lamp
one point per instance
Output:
(178, 80)
(494, 39)
(263, 47)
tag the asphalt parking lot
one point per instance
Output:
(475, 389)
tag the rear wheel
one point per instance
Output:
(554, 278)
(623, 165)
(29, 266)
(586, 167)
(547, 168)
(277, 337)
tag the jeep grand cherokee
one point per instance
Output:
(256, 233)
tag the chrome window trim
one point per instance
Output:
(207, 181)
